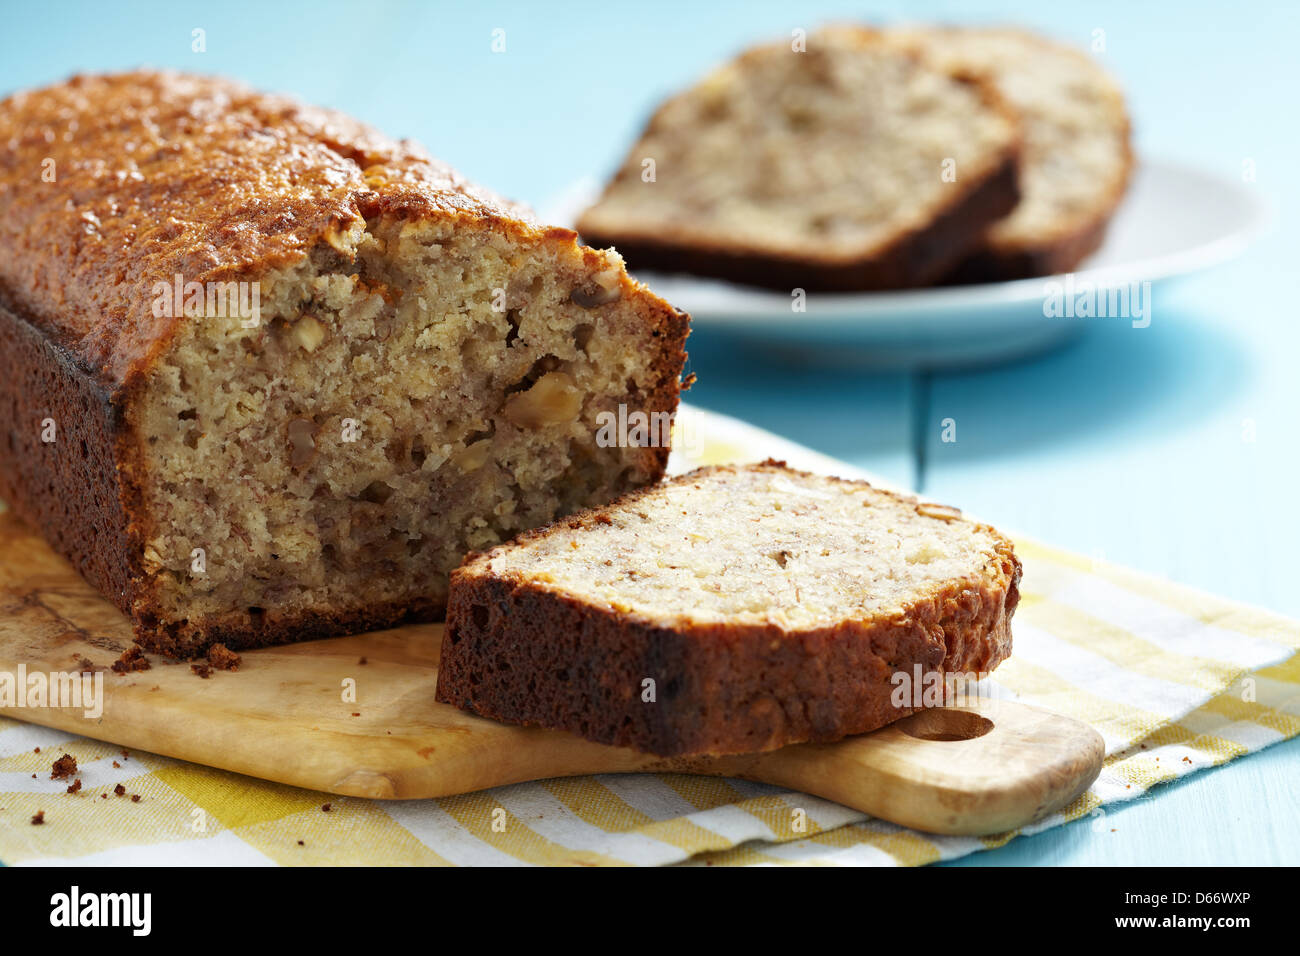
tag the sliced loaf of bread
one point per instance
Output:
(1076, 161)
(731, 610)
(295, 370)
(848, 165)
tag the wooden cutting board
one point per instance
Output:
(283, 716)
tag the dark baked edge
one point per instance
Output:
(990, 264)
(72, 491)
(184, 640)
(919, 258)
(1052, 256)
(519, 652)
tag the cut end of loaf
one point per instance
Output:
(765, 606)
(410, 393)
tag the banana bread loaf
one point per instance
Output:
(731, 610)
(268, 375)
(850, 165)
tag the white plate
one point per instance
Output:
(1174, 221)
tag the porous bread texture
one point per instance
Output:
(764, 606)
(1076, 158)
(756, 547)
(384, 418)
(828, 157)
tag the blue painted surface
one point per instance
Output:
(1128, 444)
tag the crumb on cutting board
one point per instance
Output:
(223, 658)
(132, 659)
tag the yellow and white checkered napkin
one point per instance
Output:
(1173, 679)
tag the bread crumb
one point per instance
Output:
(116, 765)
(37, 750)
(76, 786)
(64, 767)
(325, 808)
(119, 790)
(223, 658)
(203, 670)
(39, 818)
(132, 659)
(135, 798)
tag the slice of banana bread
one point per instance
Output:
(731, 610)
(849, 165)
(1076, 160)
(267, 375)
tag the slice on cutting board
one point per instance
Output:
(1076, 158)
(851, 165)
(731, 610)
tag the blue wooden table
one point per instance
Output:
(1173, 449)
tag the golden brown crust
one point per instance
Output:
(161, 173)
(520, 651)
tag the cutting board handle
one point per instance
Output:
(987, 767)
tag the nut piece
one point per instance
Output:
(473, 457)
(606, 290)
(309, 332)
(344, 236)
(302, 442)
(377, 175)
(553, 400)
(944, 512)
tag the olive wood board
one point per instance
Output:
(990, 767)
